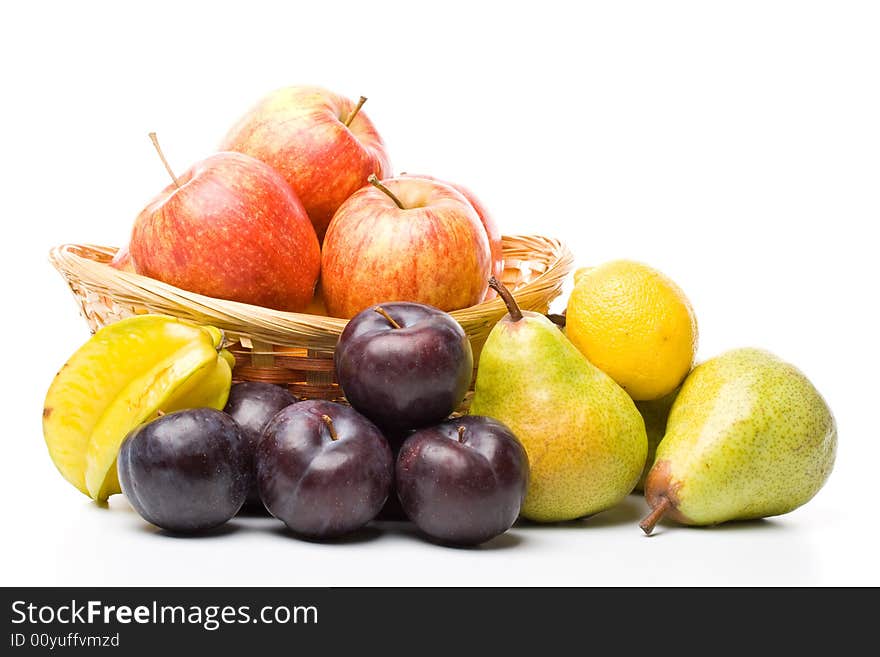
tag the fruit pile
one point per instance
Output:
(567, 416)
(300, 188)
(189, 451)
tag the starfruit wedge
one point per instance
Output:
(123, 376)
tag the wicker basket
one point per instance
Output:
(291, 349)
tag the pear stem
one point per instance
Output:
(168, 168)
(461, 430)
(507, 297)
(357, 108)
(653, 518)
(374, 181)
(384, 313)
(329, 422)
(559, 320)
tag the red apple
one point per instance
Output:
(232, 228)
(404, 239)
(321, 142)
(122, 260)
(317, 306)
(488, 223)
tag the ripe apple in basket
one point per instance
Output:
(122, 260)
(404, 239)
(322, 144)
(489, 224)
(230, 227)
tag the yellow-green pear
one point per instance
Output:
(747, 437)
(584, 437)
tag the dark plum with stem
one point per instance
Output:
(186, 471)
(323, 469)
(252, 404)
(463, 481)
(404, 365)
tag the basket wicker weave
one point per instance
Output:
(291, 349)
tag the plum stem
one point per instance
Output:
(160, 412)
(461, 436)
(507, 297)
(168, 168)
(374, 181)
(329, 422)
(384, 313)
(653, 518)
(354, 112)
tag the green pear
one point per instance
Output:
(748, 437)
(655, 413)
(584, 437)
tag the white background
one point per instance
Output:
(735, 146)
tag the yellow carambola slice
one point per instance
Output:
(93, 378)
(210, 390)
(207, 388)
(138, 402)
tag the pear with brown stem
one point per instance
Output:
(584, 437)
(748, 437)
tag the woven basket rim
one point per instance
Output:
(291, 328)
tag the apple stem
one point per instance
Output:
(374, 181)
(507, 297)
(160, 412)
(461, 436)
(384, 313)
(168, 168)
(357, 108)
(653, 518)
(329, 422)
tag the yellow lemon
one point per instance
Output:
(579, 273)
(635, 324)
